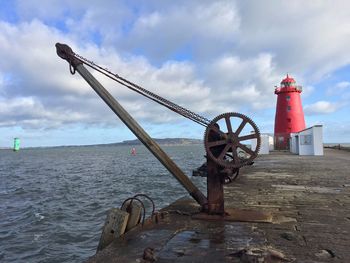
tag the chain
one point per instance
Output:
(170, 105)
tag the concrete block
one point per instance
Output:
(114, 227)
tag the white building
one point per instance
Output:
(308, 141)
(266, 144)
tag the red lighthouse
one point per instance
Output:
(289, 112)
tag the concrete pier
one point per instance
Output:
(308, 198)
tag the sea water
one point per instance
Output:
(54, 201)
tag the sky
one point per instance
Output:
(210, 57)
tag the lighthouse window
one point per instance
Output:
(289, 108)
(288, 98)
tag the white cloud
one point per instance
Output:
(243, 83)
(342, 85)
(43, 79)
(191, 26)
(306, 37)
(232, 54)
(321, 107)
(307, 90)
(309, 39)
(28, 112)
(339, 88)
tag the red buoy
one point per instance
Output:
(133, 151)
(289, 112)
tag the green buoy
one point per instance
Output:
(16, 143)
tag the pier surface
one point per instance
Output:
(308, 198)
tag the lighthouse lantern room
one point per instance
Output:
(289, 112)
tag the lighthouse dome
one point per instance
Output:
(288, 82)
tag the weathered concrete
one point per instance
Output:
(309, 198)
(115, 226)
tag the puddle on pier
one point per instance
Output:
(214, 243)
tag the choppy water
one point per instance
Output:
(53, 201)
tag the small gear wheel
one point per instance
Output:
(224, 145)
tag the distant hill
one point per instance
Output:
(166, 141)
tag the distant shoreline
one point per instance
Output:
(167, 142)
(338, 146)
(135, 142)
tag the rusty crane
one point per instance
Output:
(222, 144)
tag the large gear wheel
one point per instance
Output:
(225, 145)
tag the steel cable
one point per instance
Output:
(146, 93)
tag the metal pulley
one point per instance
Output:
(224, 144)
